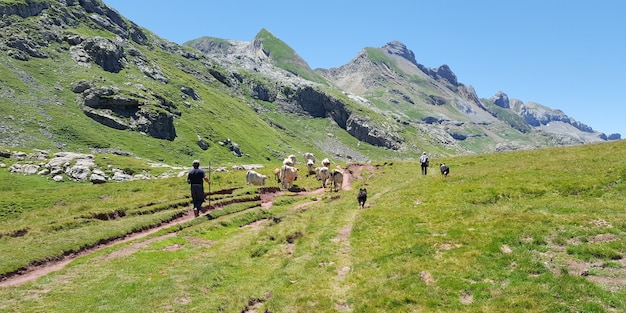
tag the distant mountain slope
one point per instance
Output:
(389, 81)
(391, 78)
(76, 75)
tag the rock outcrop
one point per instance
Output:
(147, 113)
(105, 52)
(26, 9)
(501, 99)
(319, 104)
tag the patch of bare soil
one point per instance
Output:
(135, 247)
(255, 305)
(427, 277)
(256, 225)
(609, 276)
(467, 298)
(267, 196)
(353, 172)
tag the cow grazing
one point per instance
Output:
(336, 179)
(362, 197)
(255, 178)
(323, 174)
(310, 164)
(445, 170)
(287, 176)
(326, 162)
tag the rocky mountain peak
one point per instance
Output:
(501, 99)
(443, 72)
(399, 49)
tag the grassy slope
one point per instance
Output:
(505, 231)
(286, 58)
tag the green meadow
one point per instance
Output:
(526, 231)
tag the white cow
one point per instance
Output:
(287, 176)
(255, 178)
(288, 162)
(336, 179)
(310, 166)
(322, 173)
(293, 159)
(309, 156)
(326, 162)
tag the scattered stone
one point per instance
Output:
(190, 92)
(202, 144)
(506, 249)
(97, 179)
(44, 172)
(120, 176)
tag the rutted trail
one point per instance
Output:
(344, 254)
(267, 196)
(344, 264)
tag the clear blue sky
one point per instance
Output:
(567, 55)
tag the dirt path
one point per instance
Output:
(34, 272)
(267, 199)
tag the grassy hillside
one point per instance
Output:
(39, 110)
(531, 231)
(215, 117)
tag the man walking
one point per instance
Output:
(424, 163)
(196, 179)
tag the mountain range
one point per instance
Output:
(77, 75)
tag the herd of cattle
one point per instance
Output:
(288, 173)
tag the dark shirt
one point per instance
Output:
(195, 176)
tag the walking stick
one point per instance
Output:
(209, 176)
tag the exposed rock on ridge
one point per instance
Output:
(294, 93)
